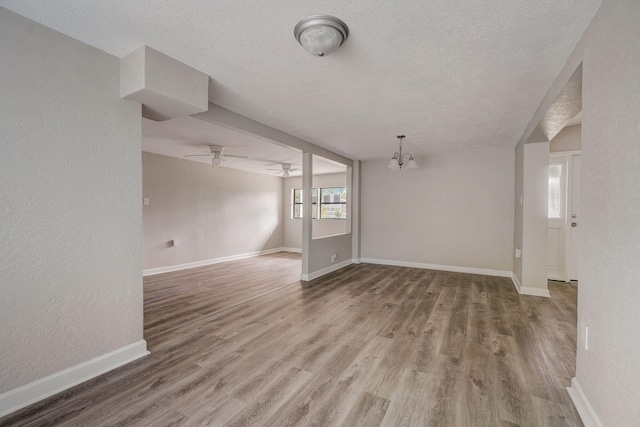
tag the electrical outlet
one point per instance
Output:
(333, 258)
(518, 253)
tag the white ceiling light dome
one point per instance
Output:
(321, 34)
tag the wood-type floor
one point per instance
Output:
(245, 343)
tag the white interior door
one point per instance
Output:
(557, 218)
(574, 217)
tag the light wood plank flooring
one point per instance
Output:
(245, 343)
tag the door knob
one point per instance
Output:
(574, 224)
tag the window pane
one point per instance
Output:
(334, 211)
(334, 195)
(333, 203)
(555, 191)
(297, 203)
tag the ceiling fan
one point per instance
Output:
(218, 154)
(286, 170)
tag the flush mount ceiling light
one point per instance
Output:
(397, 161)
(321, 34)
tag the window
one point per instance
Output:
(297, 203)
(555, 191)
(333, 203)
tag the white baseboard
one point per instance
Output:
(582, 404)
(526, 290)
(28, 394)
(451, 268)
(296, 250)
(185, 266)
(327, 270)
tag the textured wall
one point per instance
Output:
(569, 139)
(456, 209)
(212, 213)
(535, 222)
(70, 188)
(609, 290)
(326, 227)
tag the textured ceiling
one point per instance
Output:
(450, 75)
(565, 108)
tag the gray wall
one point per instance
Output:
(531, 217)
(70, 203)
(213, 213)
(518, 211)
(454, 210)
(535, 218)
(609, 292)
(569, 139)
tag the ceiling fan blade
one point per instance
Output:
(235, 156)
(198, 155)
(279, 170)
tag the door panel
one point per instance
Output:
(555, 255)
(557, 218)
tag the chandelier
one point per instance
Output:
(397, 161)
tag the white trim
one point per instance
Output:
(28, 394)
(296, 250)
(185, 266)
(535, 292)
(526, 290)
(582, 404)
(330, 235)
(565, 153)
(516, 283)
(327, 270)
(452, 268)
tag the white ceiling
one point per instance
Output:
(450, 75)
